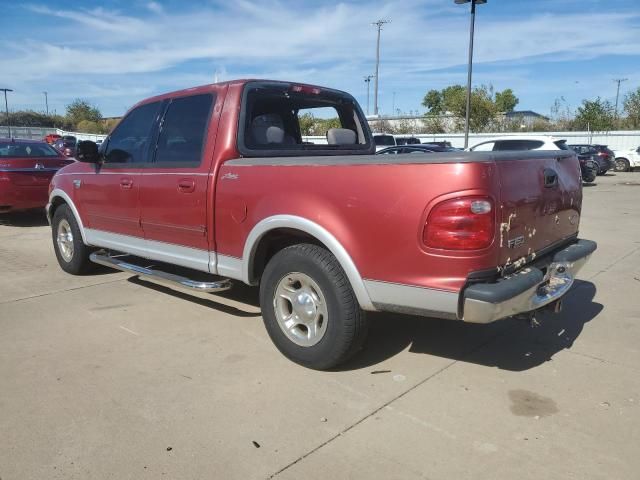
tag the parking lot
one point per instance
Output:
(107, 376)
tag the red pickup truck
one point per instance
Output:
(218, 179)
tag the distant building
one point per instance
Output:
(525, 117)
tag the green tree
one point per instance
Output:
(307, 122)
(506, 101)
(80, 110)
(87, 126)
(433, 101)
(433, 124)
(595, 115)
(632, 108)
(454, 99)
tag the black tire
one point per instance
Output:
(78, 262)
(622, 165)
(590, 173)
(346, 324)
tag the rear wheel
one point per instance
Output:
(309, 308)
(589, 175)
(622, 165)
(71, 252)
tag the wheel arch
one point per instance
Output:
(289, 230)
(60, 197)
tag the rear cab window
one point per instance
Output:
(274, 116)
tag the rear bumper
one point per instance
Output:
(526, 290)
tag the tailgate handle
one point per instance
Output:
(550, 177)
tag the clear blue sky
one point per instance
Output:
(116, 52)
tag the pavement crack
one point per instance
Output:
(615, 262)
(6, 302)
(388, 403)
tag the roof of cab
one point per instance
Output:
(208, 87)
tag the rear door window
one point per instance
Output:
(129, 142)
(183, 131)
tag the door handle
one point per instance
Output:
(126, 183)
(186, 185)
(550, 177)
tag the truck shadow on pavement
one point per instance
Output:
(508, 344)
(29, 218)
(240, 293)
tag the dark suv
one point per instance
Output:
(600, 153)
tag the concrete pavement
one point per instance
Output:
(108, 377)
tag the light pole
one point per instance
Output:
(367, 80)
(6, 107)
(393, 103)
(378, 24)
(46, 102)
(471, 29)
(618, 81)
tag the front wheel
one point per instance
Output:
(309, 308)
(71, 252)
(622, 165)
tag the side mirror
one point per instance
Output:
(87, 151)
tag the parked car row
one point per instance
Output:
(627, 160)
(26, 168)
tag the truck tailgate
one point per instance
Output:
(540, 201)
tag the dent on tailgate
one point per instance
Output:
(534, 216)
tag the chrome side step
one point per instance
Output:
(158, 276)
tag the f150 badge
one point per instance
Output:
(516, 242)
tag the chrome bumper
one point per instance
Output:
(528, 289)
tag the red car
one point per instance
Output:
(52, 137)
(26, 168)
(218, 179)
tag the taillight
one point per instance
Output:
(465, 223)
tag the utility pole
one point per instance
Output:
(6, 107)
(367, 80)
(378, 24)
(618, 81)
(46, 102)
(470, 67)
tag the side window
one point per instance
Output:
(128, 142)
(484, 147)
(511, 145)
(183, 131)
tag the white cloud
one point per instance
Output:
(155, 7)
(333, 45)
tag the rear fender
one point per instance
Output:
(316, 231)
